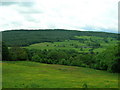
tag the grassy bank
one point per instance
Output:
(25, 74)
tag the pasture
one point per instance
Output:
(27, 74)
(83, 44)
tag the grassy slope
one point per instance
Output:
(67, 44)
(25, 74)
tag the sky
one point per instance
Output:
(83, 15)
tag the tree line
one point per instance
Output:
(28, 37)
(106, 60)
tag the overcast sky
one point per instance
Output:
(86, 15)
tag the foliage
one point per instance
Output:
(106, 60)
(109, 59)
(17, 53)
(96, 50)
(28, 37)
(5, 52)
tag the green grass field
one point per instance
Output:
(76, 44)
(26, 74)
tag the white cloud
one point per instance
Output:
(100, 15)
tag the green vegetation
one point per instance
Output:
(28, 37)
(5, 51)
(83, 44)
(26, 74)
(105, 60)
(28, 50)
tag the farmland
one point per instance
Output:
(60, 59)
(80, 45)
(38, 75)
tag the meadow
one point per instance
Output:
(83, 44)
(60, 59)
(27, 74)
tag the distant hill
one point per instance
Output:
(28, 37)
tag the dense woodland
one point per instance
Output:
(108, 59)
(28, 37)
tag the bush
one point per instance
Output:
(5, 52)
(17, 53)
(36, 58)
